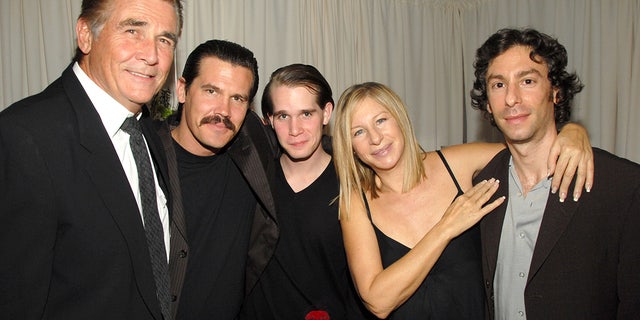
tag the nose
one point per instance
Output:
(513, 96)
(294, 127)
(148, 52)
(375, 137)
(223, 108)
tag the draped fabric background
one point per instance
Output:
(423, 49)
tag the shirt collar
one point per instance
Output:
(111, 112)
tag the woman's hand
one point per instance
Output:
(468, 208)
(571, 152)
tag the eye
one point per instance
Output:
(210, 91)
(497, 85)
(238, 98)
(167, 42)
(282, 116)
(381, 120)
(358, 132)
(528, 82)
(306, 114)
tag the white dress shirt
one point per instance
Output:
(113, 114)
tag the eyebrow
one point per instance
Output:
(299, 111)
(518, 75)
(214, 87)
(528, 72)
(131, 22)
(172, 36)
(209, 86)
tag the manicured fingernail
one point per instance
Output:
(562, 196)
(554, 190)
(576, 196)
(588, 187)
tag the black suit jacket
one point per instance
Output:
(72, 241)
(586, 261)
(253, 151)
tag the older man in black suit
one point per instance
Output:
(84, 237)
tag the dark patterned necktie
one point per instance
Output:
(152, 224)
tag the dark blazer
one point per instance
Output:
(586, 262)
(72, 241)
(253, 150)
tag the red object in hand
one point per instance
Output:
(317, 315)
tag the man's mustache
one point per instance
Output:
(217, 118)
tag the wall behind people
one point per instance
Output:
(423, 49)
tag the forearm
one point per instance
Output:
(397, 283)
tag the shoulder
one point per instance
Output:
(54, 102)
(253, 127)
(467, 160)
(256, 132)
(45, 116)
(496, 165)
(480, 152)
(609, 166)
(47, 100)
(606, 156)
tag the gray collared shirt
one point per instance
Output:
(517, 241)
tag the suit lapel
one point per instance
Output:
(102, 165)
(169, 170)
(246, 157)
(557, 216)
(491, 225)
(178, 258)
(157, 151)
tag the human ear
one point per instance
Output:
(326, 113)
(84, 35)
(181, 90)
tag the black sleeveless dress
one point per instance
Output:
(453, 288)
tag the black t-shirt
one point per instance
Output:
(309, 271)
(219, 208)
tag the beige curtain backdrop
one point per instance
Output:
(423, 49)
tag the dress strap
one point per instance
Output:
(453, 177)
(366, 205)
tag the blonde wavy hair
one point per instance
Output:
(356, 177)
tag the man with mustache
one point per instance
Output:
(222, 163)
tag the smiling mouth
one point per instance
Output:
(137, 74)
(515, 118)
(381, 151)
(297, 143)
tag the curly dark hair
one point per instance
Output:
(544, 48)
